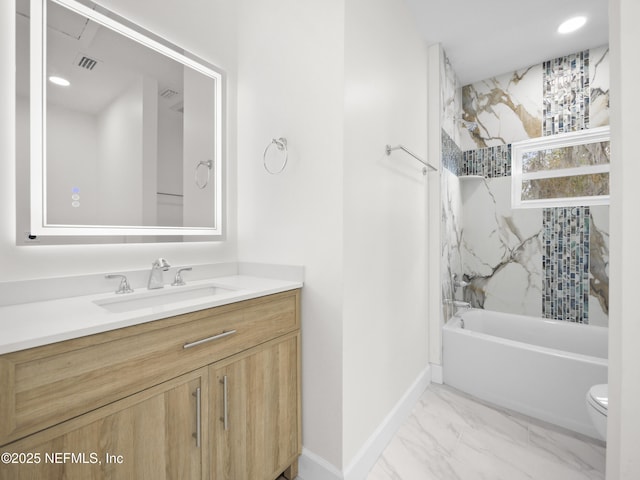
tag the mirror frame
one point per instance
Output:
(38, 29)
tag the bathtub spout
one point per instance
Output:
(461, 307)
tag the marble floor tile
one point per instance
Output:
(451, 436)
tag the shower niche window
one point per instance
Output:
(562, 170)
(120, 130)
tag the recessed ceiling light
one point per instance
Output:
(63, 82)
(572, 24)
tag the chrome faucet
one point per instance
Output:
(155, 277)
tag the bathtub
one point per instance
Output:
(538, 367)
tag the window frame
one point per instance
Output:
(582, 137)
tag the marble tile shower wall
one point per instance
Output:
(451, 101)
(451, 232)
(550, 262)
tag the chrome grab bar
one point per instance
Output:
(389, 149)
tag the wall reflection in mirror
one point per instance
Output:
(131, 129)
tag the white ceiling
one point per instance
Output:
(485, 38)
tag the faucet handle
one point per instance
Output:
(161, 263)
(178, 281)
(459, 283)
(124, 286)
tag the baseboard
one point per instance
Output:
(436, 374)
(314, 467)
(368, 455)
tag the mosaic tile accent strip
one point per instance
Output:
(489, 162)
(566, 94)
(565, 263)
(451, 153)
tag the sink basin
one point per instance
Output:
(160, 297)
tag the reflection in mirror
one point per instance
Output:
(130, 129)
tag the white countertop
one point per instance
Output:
(39, 323)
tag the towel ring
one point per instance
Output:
(281, 144)
(209, 165)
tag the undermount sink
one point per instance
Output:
(160, 297)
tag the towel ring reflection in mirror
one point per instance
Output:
(281, 145)
(209, 165)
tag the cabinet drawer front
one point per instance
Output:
(69, 380)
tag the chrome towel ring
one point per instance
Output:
(209, 164)
(281, 145)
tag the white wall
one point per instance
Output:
(290, 84)
(339, 80)
(385, 328)
(623, 433)
(207, 29)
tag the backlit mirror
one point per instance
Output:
(124, 128)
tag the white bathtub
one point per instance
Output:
(538, 367)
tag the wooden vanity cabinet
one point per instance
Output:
(255, 421)
(227, 408)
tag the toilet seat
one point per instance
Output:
(599, 398)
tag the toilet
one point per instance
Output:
(597, 405)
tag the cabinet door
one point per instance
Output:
(151, 435)
(255, 413)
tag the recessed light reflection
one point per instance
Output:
(572, 24)
(63, 82)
